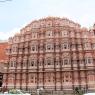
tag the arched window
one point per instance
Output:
(65, 46)
(66, 61)
(88, 60)
(65, 33)
(34, 35)
(49, 34)
(32, 78)
(87, 45)
(12, 63)
(67, 77)
(49, 61)
(49, 46)
(14, 48)
(32, 62)
(34, 46)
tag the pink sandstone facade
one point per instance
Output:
(51, 53)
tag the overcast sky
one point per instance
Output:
(17, 13)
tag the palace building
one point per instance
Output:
(51, 53)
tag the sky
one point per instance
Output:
(15, 14)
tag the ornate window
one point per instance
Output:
(87, 46)
(49, 61)
(32, 63)
(12, 63)
(65, 33)
(34, 35)
(49, 33)
(65, 45)
(88, 60)
(34, 47)
(48, 23)
(14, 48)
(31, 78)
(49, 46)
(66, 77)
(66, 61)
